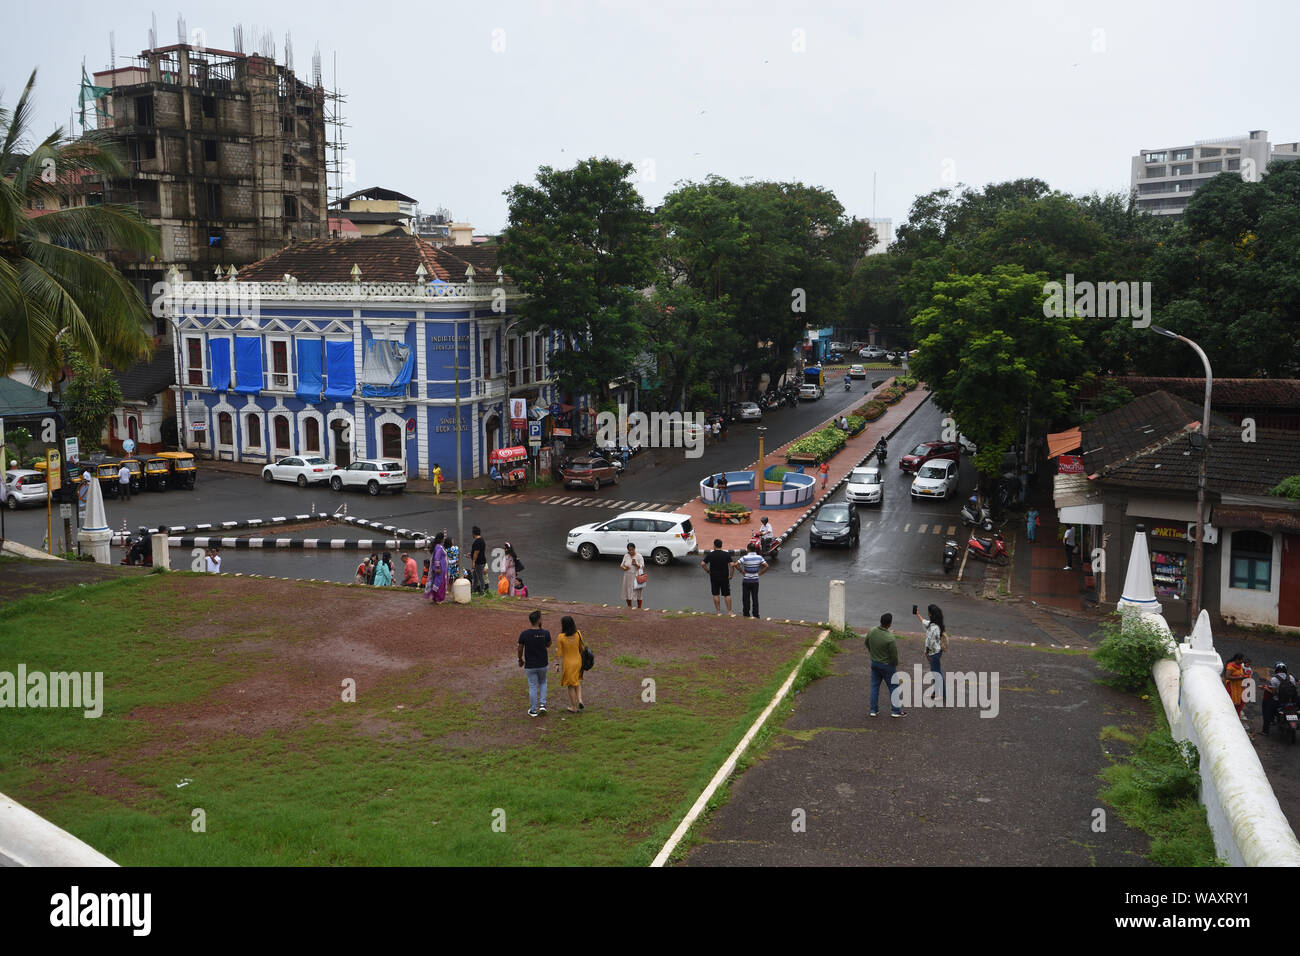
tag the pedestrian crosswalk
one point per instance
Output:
(586, 501)
(913, 528)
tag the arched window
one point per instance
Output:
(391, 440)
(1252, 560)
(132, 428)
(253, 431)
(225, 428)
(311, 435)
(281, 423)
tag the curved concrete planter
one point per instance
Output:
(728, 517)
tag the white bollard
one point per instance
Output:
(836, 616)
(161, 552)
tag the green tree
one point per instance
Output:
(51, 279)
(580, 246)
(987, 352)
(89, 398)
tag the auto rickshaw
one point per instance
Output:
(67, 490)
(183, 469)
(507, 467)
(106, 472)
(156, 471)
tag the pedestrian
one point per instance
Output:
(717, 430)
(884, 664)
(372, 564)
(533, 659)
(936, 641)
(520, 590)
(717, 564)
(124, 483)
(720, 483)
(1234, 674)
(752, 567)
(478, 561)
(437, 478)
(722, 433)
(410, 571)
(634, 576)
(363, 572)
(383, 572)
(1032, 523)
(436, 589)
(568, 662)
(424, 575)
(1280, 689)
(212, 563)
(453, 560)
(510, 567)
(1069, 548)
(825, 469)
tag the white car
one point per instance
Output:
(937, 478)
(871, 353)
(658, 536)
(24, 486)
(865, 486)
(750, 412)
(305, 471)
(809, 393)
(373, 474)
(857, 371)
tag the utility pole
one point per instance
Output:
(460, 494)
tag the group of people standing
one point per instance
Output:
(720, 566)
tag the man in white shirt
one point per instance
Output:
(212, 564)
(124, 483)
(1069, 548)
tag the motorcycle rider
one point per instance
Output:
(1280, 689)
(765, 536)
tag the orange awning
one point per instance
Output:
(1061, 443)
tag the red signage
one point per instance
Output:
(519, 423)
(564, 433)
(1070, 465)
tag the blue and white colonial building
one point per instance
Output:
(360, 348)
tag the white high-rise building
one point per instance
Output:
(884, 235)
(1164, 179)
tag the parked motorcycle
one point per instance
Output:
(992, 549)
(949, 555)
(139, 549)
(970, 518)
(1288, 717)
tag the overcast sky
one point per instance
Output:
(452, 103)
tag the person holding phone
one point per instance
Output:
(936, 641)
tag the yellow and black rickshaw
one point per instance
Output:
(136, 467)
(107, 472)
(156, 473)
(183, 469)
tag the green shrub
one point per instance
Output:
(1128, 650)
(1288, 488)
(871, 410)
(856, 423)
(728, 507)
(819, 445)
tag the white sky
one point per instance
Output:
(921, 94)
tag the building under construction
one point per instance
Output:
(226, 154)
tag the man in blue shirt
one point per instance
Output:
(751, 566)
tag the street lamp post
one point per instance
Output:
(758, 478)
(1197, 570)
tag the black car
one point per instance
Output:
(835, 524)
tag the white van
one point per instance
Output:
(658, 536)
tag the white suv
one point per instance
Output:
(373, 474)
(810, 392)
(657, 535)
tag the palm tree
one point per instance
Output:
(55, 293)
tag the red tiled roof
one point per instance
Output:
(381, 259)
(1256, 392)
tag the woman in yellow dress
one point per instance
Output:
(569, 662)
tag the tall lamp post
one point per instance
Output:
(758, 482)
(1204, 448)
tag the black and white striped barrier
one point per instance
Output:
(120, 537)
(302, 544)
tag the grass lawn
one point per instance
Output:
(208, 680)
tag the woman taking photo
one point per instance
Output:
(634, 576)
(569, 648)
(935, 640)
(510, 567)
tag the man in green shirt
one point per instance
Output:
(884, 662)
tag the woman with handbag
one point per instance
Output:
(634, 576)
(936, 641)
(510, 567)
(568, 664)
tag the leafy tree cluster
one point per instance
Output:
(723, 277)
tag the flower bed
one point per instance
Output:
(856, 424)
(870, 411)
(817, 447)
(729, 513)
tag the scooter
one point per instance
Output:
(848, 384)
(992, 549)
(969, 517)
(139, 549)
(1288, 716)
(949, 555)
(881, 449)
(772, 549)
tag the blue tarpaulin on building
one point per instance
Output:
(219, 349)
(387, 369)
(248, 364)
(309, 370)
(340, 373)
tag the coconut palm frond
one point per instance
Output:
(107, 226)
